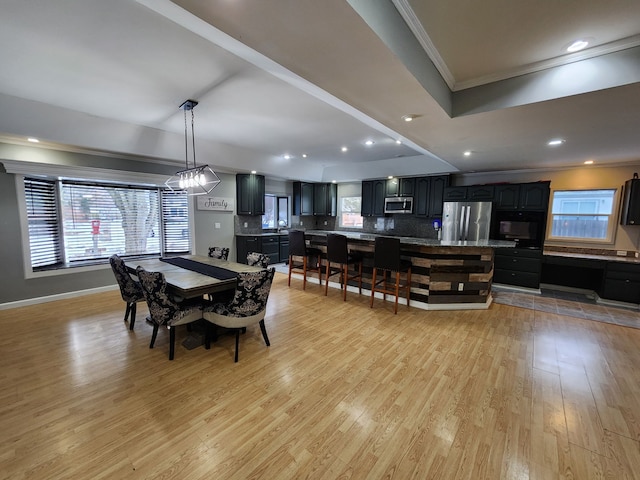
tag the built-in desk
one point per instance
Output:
(445, 275)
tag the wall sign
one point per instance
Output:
(219, 204)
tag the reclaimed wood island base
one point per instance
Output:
(444, 275)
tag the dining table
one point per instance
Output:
(190, 276)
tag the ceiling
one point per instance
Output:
(308, 78)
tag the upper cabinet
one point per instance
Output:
(429, 195)
(400, 187)
(373, 194)
(522, 196)
(631, 203)
(509, 196)
(250, 194)
(315, 198)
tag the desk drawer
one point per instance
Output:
(532, 265)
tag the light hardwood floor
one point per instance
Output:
(344, 391)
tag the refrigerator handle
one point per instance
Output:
(466, 223)
(461, 232)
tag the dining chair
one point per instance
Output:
(386, 258)
(256, 259)
(247, 307)
(302, 258)
(219, 252)
(130, 289)
(338, 253)
(163, 309)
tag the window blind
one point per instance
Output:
(42, 216)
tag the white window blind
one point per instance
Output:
(94, 221)
(42, 216)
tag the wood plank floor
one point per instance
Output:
(344, 391)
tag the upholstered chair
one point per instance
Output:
(338, 262)
(303, 259)
(130, 289)
(387, 260)
(163, 309)
(219, 252)
(256, 259)
(247, 307)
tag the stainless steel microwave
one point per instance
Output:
(398, 205)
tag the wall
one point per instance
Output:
(586, 177)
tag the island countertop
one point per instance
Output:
(427, 242)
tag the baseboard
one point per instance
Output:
(59, 296)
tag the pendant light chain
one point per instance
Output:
(193, 139)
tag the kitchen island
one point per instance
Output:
(445, 274)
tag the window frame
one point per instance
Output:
(276, 199)
(611, 224)
(340, 212)
(115, 178)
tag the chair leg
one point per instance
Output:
(326, 278)
(304, 272)
(373, 285)
(172, 341)
(344, 276)
(207, 336)
(126, 312)
(408, 286)
(154, 335)
(132, 322)
(263, 329)
(397, 289)
(290, 267)
(237, 344)
(360, 278)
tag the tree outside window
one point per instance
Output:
(350, 208)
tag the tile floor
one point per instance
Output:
(571, 304)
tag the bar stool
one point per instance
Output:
(386, 257)
(337, 252)
(309, 257)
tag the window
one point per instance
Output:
(276, 212)
(75, 223)
(583, 215)
(350, 212)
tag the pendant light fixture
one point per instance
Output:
(196, 180)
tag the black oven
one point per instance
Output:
(525, 228)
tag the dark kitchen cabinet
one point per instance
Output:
(303, 194)
(429, 195)
(474, 193)
(631, 203)
(284, 248)
(325, 199)
(373, 194)
(250, 194)
(400, 187)
(271, 248)
(246, 244)
(517, 266)
(522, 196)
(621, 282)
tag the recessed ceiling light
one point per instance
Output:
(555, 142)
(344, 149)
(409, 117)
(253, 172)
(33, 140)
(304, 155)
(588, 162)
(286, 156)
(577, 46)
(390, 177)
(467, 153)
(368, 143)
(334, 181)
(399, 142)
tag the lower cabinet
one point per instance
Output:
(517, 266)
(275, 246)
(621, 282)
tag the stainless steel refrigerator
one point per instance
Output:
(469, 221)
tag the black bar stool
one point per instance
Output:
(338, 252)
(308, 258)
(386, 258)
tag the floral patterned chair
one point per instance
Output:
(219, 252)
(256, 259)
(130, 290)
(163, 309)
(247, 307)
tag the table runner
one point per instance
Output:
(203, 268)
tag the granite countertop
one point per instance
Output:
(591, 256)
(430, 242)
(283, 233)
